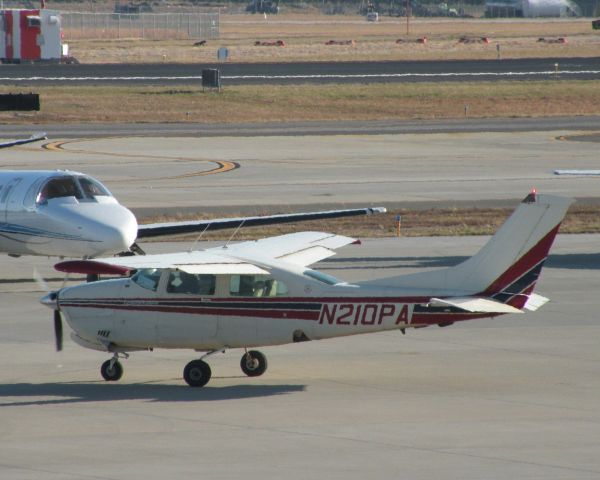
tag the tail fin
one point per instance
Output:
(507, 267)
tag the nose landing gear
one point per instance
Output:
(112, 370)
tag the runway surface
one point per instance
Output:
(289, 173)
(514, 397)
(308, 72)
(321, 128)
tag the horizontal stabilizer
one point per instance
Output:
(22, 141)
(474, 305)
(535, 301)
(591, 173)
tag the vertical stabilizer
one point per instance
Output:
(507, 267)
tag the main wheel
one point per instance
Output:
(111, 373)
(253, 363)
(197, 373)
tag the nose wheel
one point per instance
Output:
(253, 363)
(111, 370)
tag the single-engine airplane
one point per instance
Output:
(70, 214)
(261, 293)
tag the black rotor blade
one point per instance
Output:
(58, 330)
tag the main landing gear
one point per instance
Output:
(253, 363)
(196, 373)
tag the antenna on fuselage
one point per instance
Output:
(199, 237)
(233, 234)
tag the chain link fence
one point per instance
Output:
(150, 26)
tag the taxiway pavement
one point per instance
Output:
(286, 173)
(514, 397)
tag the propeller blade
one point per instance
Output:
(58, 330)
(40, 281)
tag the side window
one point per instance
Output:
(29, 200)
(255, 286)
(147, 278)
(182, 282)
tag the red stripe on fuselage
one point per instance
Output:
(534, 256)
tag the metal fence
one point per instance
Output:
(151, 26)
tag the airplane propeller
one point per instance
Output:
(58, 330)
(51, 301)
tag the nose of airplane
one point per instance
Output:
(114, 227)
(50, 300)
(103, 228)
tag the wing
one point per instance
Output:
(301, 248)
(34, 138)
(178, 228)
(581, 173)
(197, 262)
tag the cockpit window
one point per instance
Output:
(256, 286)
(59, 187)
(182, 282)
(147, 278)
(93, 188)
(81, 187)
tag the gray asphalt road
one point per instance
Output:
(358, 127)
(514, 397)
(308, 72)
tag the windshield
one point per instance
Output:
(147, 278)
(59, 187)
(92, 187)
(81, 187)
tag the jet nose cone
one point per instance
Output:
(118, 231)
(50, 300)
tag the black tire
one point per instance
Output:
(253, 363)
(111, 374)
(197, 373)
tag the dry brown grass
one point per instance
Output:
(311, 102)
(305, 36)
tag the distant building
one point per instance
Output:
(531, 8)
(30, 35)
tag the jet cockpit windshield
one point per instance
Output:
(82, 187)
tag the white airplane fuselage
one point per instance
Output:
(124, 314)
(61, 213)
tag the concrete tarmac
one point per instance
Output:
(513, 397)
(256, 174)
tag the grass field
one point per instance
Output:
(305, 36)
(311, 102)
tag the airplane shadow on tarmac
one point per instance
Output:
(575, 261)
(82, 392)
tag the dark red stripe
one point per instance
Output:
(287, 314)
(534, 256)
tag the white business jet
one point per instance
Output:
(70, 214)
(262, 292)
